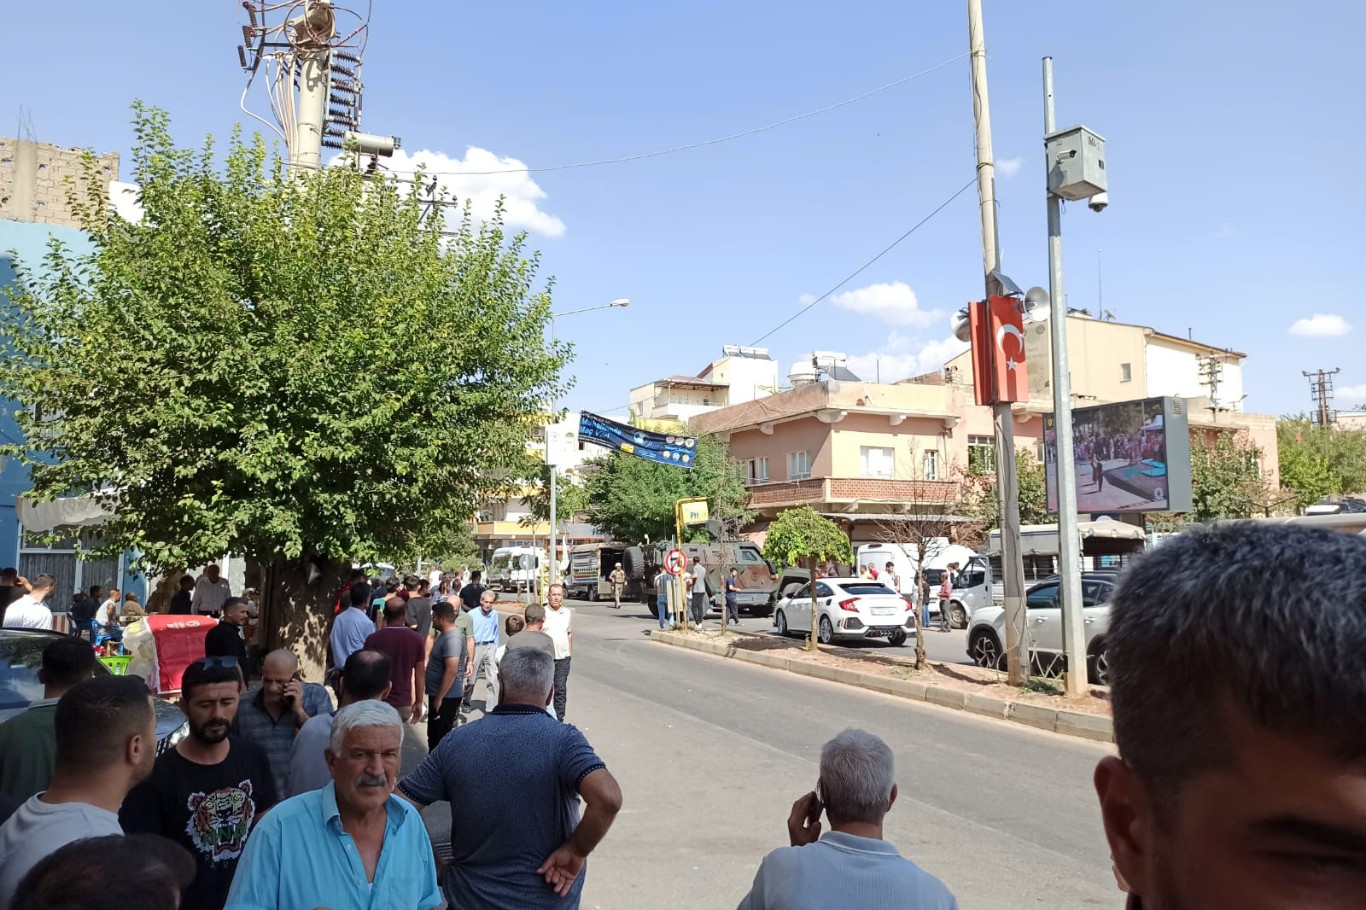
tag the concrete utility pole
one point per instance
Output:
(1321, 391)
(1007, 481)
(1069, 539)
(314, 32)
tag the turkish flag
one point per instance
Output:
(999, 374)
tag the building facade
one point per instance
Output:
(741, 374)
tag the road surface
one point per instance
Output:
(711, 753)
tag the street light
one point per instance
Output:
(554, 413)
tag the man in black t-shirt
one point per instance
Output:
(225, 639)
(469, 595)
(181, 600)
(207, 792)
(418, 612)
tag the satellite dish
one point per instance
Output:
(1036, 304)
(959, 322)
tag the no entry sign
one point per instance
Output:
(675, 562)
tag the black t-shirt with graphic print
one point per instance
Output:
(207, 809)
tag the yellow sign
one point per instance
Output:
(694, 512)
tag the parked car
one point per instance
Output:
(1344, 506)
(1043, 625)
(21, 654)
(849, 608)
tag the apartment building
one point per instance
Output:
(741, 374)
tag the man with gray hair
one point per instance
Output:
(520, 843)
(851, 866)
(1238, 683)
(352, 844)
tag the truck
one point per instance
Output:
(516, 568)
(590, 565)
(758, 580)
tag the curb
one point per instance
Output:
(1095, 727)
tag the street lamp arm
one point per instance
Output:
(619, 302)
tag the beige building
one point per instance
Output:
(741, 374)
(34, 178)
(878, 455)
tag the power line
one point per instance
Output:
(858, 271)
(703, 143)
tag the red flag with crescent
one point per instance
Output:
(999, 373)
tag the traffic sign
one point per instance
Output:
(675, 562)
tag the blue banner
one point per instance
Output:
(663, 448)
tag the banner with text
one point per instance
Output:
(661, 447)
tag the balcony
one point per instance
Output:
(877, 494)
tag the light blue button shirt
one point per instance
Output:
(349, 631)
(299, 858)
(486, 628)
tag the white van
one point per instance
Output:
(903, 557)
(516, 569)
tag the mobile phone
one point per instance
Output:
(289, 699)
(817, 807)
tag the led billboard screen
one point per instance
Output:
(1131, 456)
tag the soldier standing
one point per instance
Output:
(618, 580)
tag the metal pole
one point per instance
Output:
(1069, 541)
(554, 561)
(1007, 482)
(315, 80)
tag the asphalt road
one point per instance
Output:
(711, 753)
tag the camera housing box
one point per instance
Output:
(1076, 163)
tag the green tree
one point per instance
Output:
(801, 536)
(1226, 478)
(1319, 461)
(303, 371)
(571, 497)
(633, 499)
(979, 497)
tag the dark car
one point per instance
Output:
(21, 654)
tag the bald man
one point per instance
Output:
(273, 712)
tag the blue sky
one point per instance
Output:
(1233, 131)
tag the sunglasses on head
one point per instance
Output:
(225, 661)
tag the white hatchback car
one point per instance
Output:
(1043, 618)
(849, 608)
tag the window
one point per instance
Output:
(877, 461)
(798, 465)
(748, 554)
(1126, 372)
(981, 454)
(823, 590)
(1095, 593)
(756, 470)
(931, 463)
(1044, 597)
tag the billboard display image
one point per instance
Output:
(1131, 456)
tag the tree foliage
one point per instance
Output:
(979, 497)
(798, 536)
(277, 367)
(633, 499)
(1226, 478)
(1319, 461)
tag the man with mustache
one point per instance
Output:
(353, 844)
(207, 792)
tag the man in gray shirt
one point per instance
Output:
(106, 736)
(366, 675)
(532, 636)
(852, 866)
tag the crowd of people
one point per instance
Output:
(1238, 697)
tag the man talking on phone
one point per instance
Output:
(851, 866)
(273, 712)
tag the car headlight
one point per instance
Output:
(176, 736)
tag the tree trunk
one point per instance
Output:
(815, 605)
(923, 590)
(297, 613)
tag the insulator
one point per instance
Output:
(344, 70)
(248, 33)
(242, 55)
(251, 12)
(343, 55)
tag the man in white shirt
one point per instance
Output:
(210, 592)
(559, 625)
(30, 611)
(698, 589)
(106, 743)
(851, 866)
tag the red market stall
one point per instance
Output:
(161, 646)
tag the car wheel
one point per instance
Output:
(826, 631)
(1098, 664)
(986, 651)
(958, 616)
(780, 622)
(593, 594)
(897, 638)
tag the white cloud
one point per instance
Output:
(1009, 167)
(903, 357)
(1320, 325)
(466, 179)
(806, 299)
(1352, 392)
(124, 197)
(893, 303)
(1225, 231)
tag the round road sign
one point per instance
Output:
(675, 562)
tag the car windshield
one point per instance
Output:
(20, 657)
(868, 588)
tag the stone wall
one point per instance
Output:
(35, 179)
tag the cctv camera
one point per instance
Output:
(1098, 202)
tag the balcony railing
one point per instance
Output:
(851, 489)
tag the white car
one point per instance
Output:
(1043, 625)
(849, 608)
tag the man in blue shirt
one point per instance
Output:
(351, 627)
(519, 843)
(352, 845)
(487, 636)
